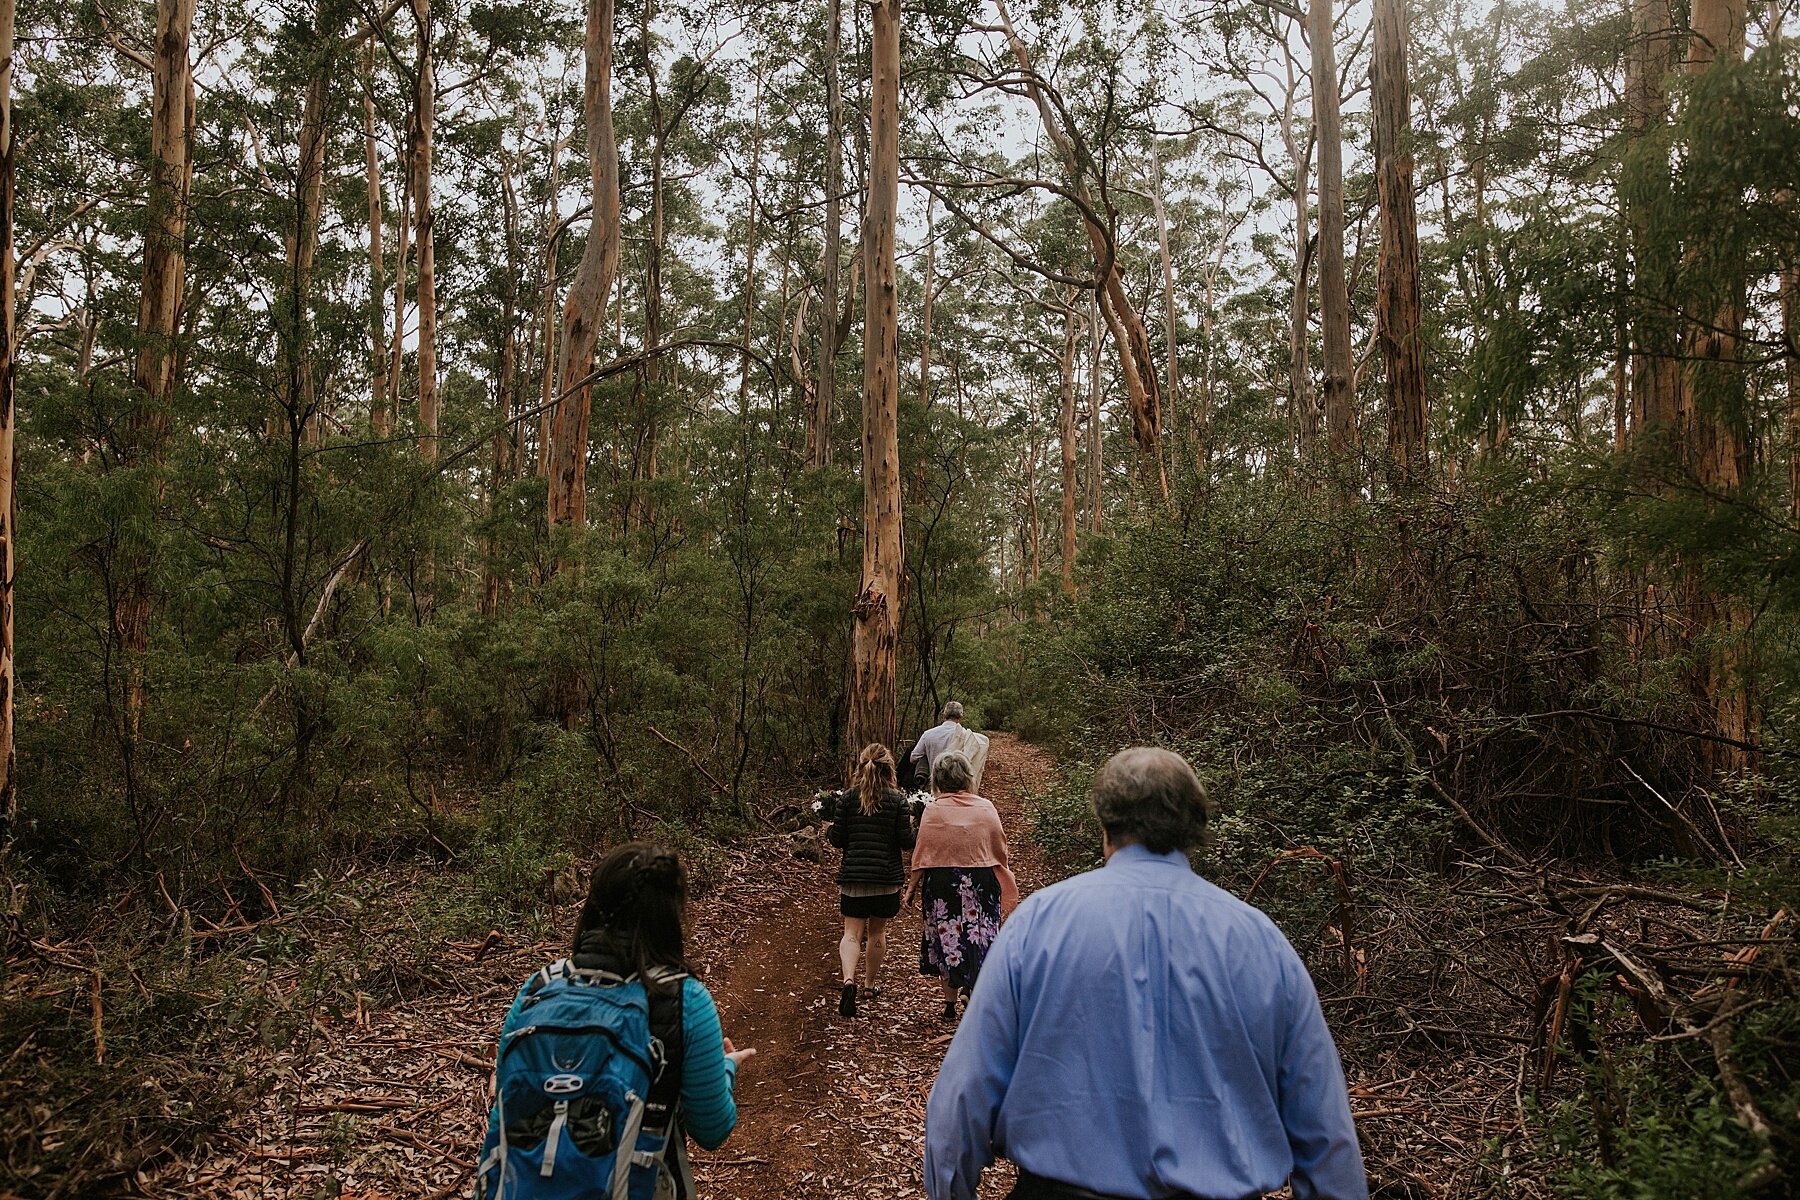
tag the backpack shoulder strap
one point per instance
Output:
(668, 1043)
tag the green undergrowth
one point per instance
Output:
(205, 994)
(1397, 706)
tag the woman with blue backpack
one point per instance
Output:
(611, 1057)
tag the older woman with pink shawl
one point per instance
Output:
(959, 868)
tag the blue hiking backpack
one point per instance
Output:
(574, 1117)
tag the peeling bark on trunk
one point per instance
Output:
(9, 784)
(159, 305)
(424, 117)
(1398, 317)
(874, 713)
(1334, 294)
(585, 310)
(819, 420)
(1065, 441)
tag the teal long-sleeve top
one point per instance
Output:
(708, 1078)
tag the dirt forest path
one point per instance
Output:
(391, 1104)
(832, 1107)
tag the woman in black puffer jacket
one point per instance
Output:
(871, 825)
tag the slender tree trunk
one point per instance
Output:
(1655, 379)
(494, 582)
(818, 428)
(874, 700)
(1790, 326)
(552, 239)
(1300, 382)
(298, 387)
(1621, 339)
(9, 784)
(1790, 336)
(380, 416)
(1137, 363)
(403, 234)
(1065, 440)
(1398, 316)
(425, 116)
(159, 304)
(1715, 397)
(930, 282)
(585, 310)
(750, 235)
(1334, 294)
(1096, 441)
(1031, 504)
(653, 256)
(1198, 419)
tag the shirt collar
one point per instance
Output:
(1137, 852)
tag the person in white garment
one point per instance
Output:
(951, 735)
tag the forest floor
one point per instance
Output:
(392, 1104)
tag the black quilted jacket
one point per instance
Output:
(871, 842)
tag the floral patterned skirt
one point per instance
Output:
(962, 918)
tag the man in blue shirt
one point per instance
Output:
(1137, 1032)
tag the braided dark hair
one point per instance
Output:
(634, 909)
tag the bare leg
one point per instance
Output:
(850, 947)
(876, 951)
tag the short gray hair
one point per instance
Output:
(952, 772)
(1151, 796)
(953, 711)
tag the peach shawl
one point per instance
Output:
(961, 829)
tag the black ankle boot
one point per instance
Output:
(949, 1010)
(847, 1000)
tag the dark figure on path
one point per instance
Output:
(959, 868)
(610, 1057)
(870, 824)
(1140, 1033)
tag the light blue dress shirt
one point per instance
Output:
(1142, 1033)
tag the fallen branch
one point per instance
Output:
(698, 766)
(1480, 830)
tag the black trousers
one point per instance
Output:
(1036, 1187)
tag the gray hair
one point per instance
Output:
(951, 772)
(953, 711)
(1151, 796)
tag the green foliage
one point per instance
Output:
(1641, 1131)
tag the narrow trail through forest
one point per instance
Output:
(391, 1105)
